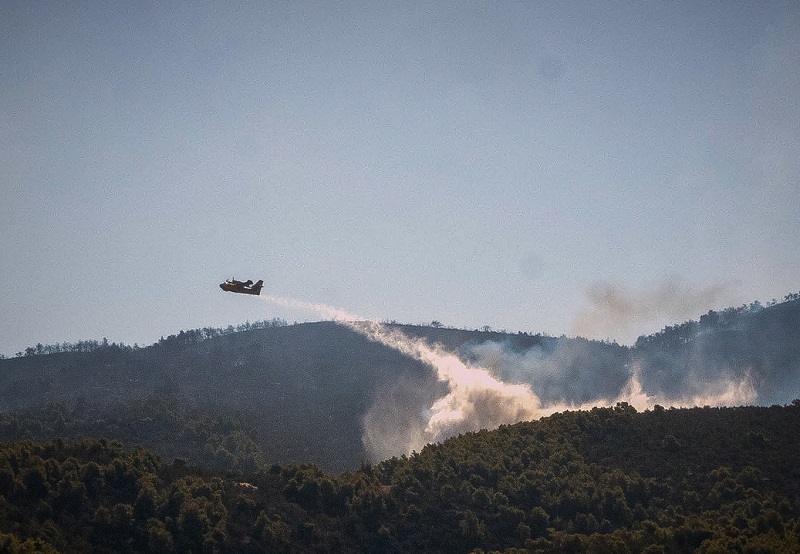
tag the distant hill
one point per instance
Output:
(303, 387)
(760, 342)
(299, 393)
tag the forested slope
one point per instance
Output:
(607, 480)
(299, 393)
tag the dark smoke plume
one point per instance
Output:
(616, 312)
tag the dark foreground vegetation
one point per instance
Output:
(607, 480)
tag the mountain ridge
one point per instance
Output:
(305, 389)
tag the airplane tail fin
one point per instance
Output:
(257, 287)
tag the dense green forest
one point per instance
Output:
(606, 480)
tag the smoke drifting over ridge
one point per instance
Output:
(614, 311)
(477, 396)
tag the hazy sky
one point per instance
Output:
(560, 167)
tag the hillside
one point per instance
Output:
(300, 393)
(301, 389)
(605, 480)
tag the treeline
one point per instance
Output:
(682, 333)
(608, 480)
(669, 336)
(749, 343)
(192, 336)
(82, 346)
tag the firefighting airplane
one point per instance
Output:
(243, 287)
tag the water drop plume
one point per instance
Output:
(476, 399)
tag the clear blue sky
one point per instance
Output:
(486, 163)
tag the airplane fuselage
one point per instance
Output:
(242, 287)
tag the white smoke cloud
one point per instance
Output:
(476, 398)
(723, 392)
(570, 376)
(396, 422)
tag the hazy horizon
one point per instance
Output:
(598, 169)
